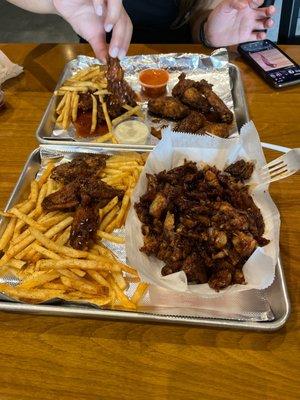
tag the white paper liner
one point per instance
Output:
(259, 270)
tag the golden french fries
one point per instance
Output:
(35, 244)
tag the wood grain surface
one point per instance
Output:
(44, 357)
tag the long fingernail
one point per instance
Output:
(114, 52)
(108, 27)
(122, 54)
(99, 9)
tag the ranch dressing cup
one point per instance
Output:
(132, 131)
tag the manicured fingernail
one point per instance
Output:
(99, 9)
(121, 54)
(114, 52)
(108, 27)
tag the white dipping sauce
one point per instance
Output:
(132, 132)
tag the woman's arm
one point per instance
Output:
(36, 6)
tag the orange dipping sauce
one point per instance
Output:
(154, 82)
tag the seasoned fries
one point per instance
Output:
(35, 244)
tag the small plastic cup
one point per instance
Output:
(132, 131)
(154, 82)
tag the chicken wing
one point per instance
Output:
(192, 123)
(168, 107)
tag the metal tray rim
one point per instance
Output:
(141, 316)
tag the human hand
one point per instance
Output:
(235, 21)
(91, 19)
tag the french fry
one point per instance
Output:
(108, 218)
(8, 233)
(61, 104)
(106, 115)
(94, 114)
(75, 107)
(64, 237)
(104, 138)
(139, 292)
(109, 206)
(98, 277)
(77, 263)
(34, 192)
(119, 279)
(54, 286)
(49, 244)
(127, 114)
(46, 174)
(111, 238)
(36, 295)
(124, 300)
(38, 279)
(85, 298)
(27, 220)
(45, 252)
(65, 121)
(81, 286)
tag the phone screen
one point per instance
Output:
(271, 59)
(275, 64)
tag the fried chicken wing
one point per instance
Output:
(168, 107)
(217, 104)
(192, 123)
(218, 129)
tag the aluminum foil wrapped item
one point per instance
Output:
(259, 270)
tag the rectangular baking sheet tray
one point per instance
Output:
(275, 298)
(45, 135)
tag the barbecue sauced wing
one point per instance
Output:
(83, 191)
(82, 166)
(201, 221)
(63, 199)
(168, 107)
(120, 91)
(84, 226)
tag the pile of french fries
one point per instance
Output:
(35, 246)
(90, 80)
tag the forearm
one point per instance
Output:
(36, 6)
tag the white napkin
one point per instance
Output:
(7, 68)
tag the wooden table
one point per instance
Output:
(63, 358)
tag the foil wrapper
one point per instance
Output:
(213, 68)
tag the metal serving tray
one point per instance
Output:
(274, 300)
(45, 129)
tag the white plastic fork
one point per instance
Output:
(282, 167)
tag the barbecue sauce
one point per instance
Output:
(83, 126)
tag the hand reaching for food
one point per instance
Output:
(91, 19)
(238, 21)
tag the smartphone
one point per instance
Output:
(276, 67)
